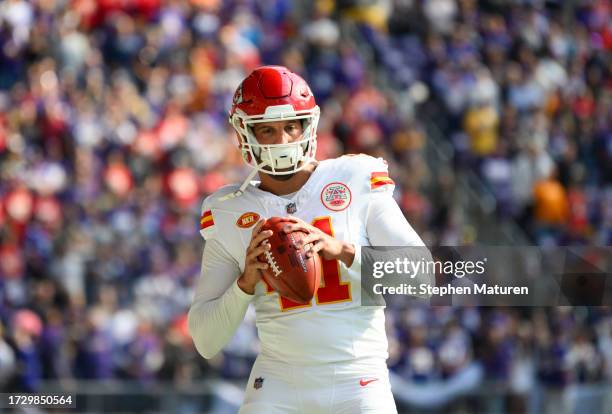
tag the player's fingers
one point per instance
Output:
(291, 227)
(307, 239)
(258, 227)
(315, 247)
(255, 246)
(260, 265)
(257, 251)
(255, 241)
(255, 263)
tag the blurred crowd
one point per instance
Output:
(113, 127)
(512, 359)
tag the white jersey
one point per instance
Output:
(342, 197)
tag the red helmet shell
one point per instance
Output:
(270, 86)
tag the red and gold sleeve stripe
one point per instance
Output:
(379, 179)
(206, 220)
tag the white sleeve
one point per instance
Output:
(386, 224)
(219, 304)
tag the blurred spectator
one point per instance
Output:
(7, 359)
(481, 125)
(551, 207)
(26, 328)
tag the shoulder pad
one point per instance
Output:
(379, 176)
(208, 229)
(376, 169)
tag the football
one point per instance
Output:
(290, 273)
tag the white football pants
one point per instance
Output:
(343, 388)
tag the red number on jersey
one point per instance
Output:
(333, 290)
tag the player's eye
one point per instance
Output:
(291, 127)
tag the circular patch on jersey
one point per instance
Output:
(336, 196)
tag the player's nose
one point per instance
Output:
(285, 138)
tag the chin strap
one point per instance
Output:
(240, 191)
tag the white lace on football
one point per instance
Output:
(272, 263)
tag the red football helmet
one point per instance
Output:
(274, 93)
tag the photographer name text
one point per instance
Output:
(428, 290)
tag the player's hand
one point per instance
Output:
(252, 266)
(327, 246)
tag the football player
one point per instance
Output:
(328, 356)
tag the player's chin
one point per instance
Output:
(283, 177)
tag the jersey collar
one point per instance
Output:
(300, 196)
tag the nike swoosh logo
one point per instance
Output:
(364, 382)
